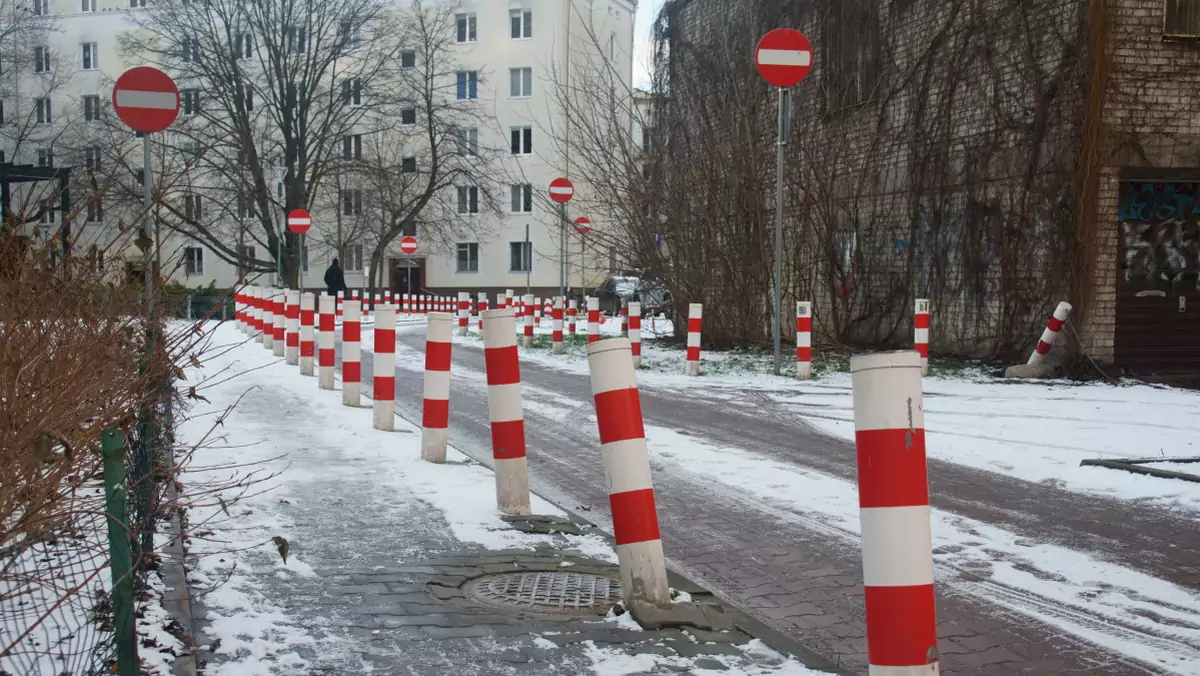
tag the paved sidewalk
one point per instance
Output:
(385, 553)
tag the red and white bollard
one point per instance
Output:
(268, 319)
(1050, 333)
(893, 498)
(635, 332)
(307, 344)
(291, 327)
(529, 306)
(572, 315)
(627, 468)
(921, 332)
(435, 410)
(464, 313)
(483, 306)
(237, 310)
(537, 312)
(803, 339)
(383, 385)
(352, 353)
(556, 326)
(547, 309)
(387, 296)
(277, 330)
(593, 319)
(254, 315)
(508, 298)
(406, 307)
(366, 306)
(325, 324)
(341, 299)
(505, 412)
(695, 315)
(624, 318)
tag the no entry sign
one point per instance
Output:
(783, 57)
(146, 99)
(299, 221)
(561, 190)
(408, 245)
(582, 225)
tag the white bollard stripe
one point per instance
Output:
(875, 408)
(437, 384)
(507, 405)
(896, 546)
(630, 471)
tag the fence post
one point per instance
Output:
(112, 445)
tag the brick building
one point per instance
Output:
(994, 156)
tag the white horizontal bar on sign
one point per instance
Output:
(562, 191)
(299, 221)
(784, 57)
(133, 98)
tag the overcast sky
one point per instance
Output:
(646, 11)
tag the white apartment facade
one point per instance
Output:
(517, 57)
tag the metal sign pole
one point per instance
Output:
(562, 250)
(147, 227)
(776, 320)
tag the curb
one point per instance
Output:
(178, 599)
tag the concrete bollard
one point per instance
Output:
(252, 312)
(307, 344)
(803, 339)
(537, 312)
(893, 498)
(268, 319)
(325, 324)
(695, 315)
(508, 298)
(1050, 333)
(572, 315)
(464, 313)
(593, 319)
(366, 307)
(435, 409)
(504, 411)
(556, 326)
(352, 353)
(383, 385)
(291, 328)
(635, 332)
(341, 299)
(279, 330)
(483, 306)
(527, 341)
(921, 332)
(387, 297)
(404, 304)
(627, 468)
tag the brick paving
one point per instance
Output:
(789, 573)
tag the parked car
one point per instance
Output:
(654, 297)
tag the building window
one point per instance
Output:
(466, 27)
(408, 59)
(468, 257)
(91, 56)
(352, 147)
(851, 54)
(41, 59)
(188, 49)
(468, 199)
(137, 3)
(520, 256)
(245, 207)
(352, 258)
(467, 140)
(1181, 19)
(351, 35)
(612, 46)
(520, 82)
(91, 159)
(191, 101)
(95, 213)
(191, 207)
(249, 100)
(352, 202)
(91, 108)
(521, 140)
(48, 211)
(139, 174)
(41, 7)
(296, 40)
(193, 261)
(44, 116)
(468, 85)
(45, 157)
(352, 91)
(246, 256)
(243, 46)
(88, 6)
(408, 115)
(522, 198)
(520, 23)
(408, 165)
(1, 112)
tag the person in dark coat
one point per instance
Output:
(334, 279)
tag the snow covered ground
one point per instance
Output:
(273, 432)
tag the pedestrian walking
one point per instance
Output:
(334, 279)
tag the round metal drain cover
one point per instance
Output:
(557, 592)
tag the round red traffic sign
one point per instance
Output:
(408, 245)
(582, 225)
(146, 99)
(783, 57)
(561, 190)
(299, 221)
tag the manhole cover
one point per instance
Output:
(557, 592)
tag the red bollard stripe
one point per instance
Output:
(694, 325)
(892, 469)
(436, 413)
(384, 388)
(508, 440)
(693, 354)
(1055, 324)
(619, 415)
(326, 323)
(635, 518)
(804, 354)
(922, 349)
(325, 357)
(307, 349)
(804, 324)
(437, 356)
(502, 365)
(352, 371)
(385, 340)
(901, 625)
(351, 332)
(921, 321)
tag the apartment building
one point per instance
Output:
(513, 63)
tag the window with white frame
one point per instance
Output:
(520, 82)
(467, 85)
(243, 46)
(352, 91)
(408, 165)
(521, 140)
(408, 115)
(41, 7)
(193, 261)
(351, 35)
(408, 59)
(467, 140)
(49, 211)
(91, 158)
(520, 23)
(88, 6)
(522, 198)
(42, 110)
(248, 99)
(91, 56)
(352, 201)
(95, 210)
(612, 46)
(245, 207)
(188, 49)
(191, 101)
(468, 199)
(352, 258)
(468, 257)
(137, 3)
(466, 28)
(41, 59)
(1, 111)
(352, 147)
(520, 256)
(297, 43)
(191, 207)
(91, 108)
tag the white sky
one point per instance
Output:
(642, 42)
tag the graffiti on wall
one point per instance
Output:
(1160, 231)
